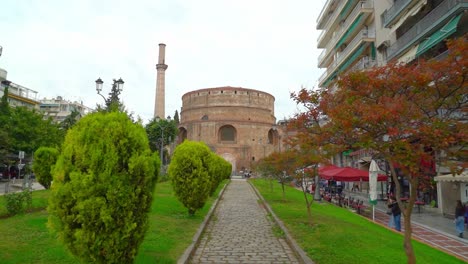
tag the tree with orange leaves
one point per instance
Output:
(311, 144)
(402, 110)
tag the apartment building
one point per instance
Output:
(18, 95)
(419, 29)
(347, 37)
(361, 34)
(58, 108)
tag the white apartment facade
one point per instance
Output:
(359, 34)
(58, 109)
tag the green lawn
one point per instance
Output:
(340, 236)
(26, 239)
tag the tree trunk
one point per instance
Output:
(308, 205)
(406, 210)
(284, 194)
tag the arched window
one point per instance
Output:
(227, 134)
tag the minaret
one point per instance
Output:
(159, 102)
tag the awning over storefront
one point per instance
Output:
(453, 178)
(438, 36)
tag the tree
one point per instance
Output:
(314, 142)
(5, 122)
(189, 174)
(176, 117)
(161, 129)
(44, 160)
(71, 119)
(29, 130)
(403, 111)
(278, 166)
(103, 188)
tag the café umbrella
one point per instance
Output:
(373, 175)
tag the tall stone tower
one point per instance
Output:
(159, 102)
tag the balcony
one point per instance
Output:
(364, 35)
(355, 19)
(18, 91)
(390, 14)
(325, 35)
(426, 25)
(363, 64)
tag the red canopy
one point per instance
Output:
(348, 174)
(321, 169)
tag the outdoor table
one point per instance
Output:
(419, 203)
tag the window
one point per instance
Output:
(227, 133)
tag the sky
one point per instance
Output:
(60, 47)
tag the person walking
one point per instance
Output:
(459, 218)
(391, 222)
(396, 213)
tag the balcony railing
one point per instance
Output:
(330, 21)
(364, 63)
(359, 8)
(393, 11)
(21, 91)
(442, 11)
(340, 57)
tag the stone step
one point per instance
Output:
(236, 177)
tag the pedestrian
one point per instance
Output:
(391, 223)
(459, 218)
(396, 213)
(466, 215)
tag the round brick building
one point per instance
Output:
(236, 123)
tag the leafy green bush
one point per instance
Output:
(18, 202)
(103, 188)
(189, 174)
(219, 169)
(44, 159)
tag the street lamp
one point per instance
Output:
(99, 84)
(161, 146)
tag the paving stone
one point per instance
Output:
(241, 232)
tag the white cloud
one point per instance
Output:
(62, 47)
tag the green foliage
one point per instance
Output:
(176, 117)
(161, 128)
(30, 131)
(18, 202)
(189, 173)
(71, 119)
(44, 159)
(219, 169)
(103, 188)
(24, 129)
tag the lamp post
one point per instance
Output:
(119, 83)
(161, 141)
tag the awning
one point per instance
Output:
(409, 55)
(346, 8)
(345, 65)
(438, 36)
(349, 31)
(413, 11)
(453, 178)
(351, 59)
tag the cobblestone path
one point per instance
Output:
(241, 232)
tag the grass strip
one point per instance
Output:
(338, 235)
(26, 239)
